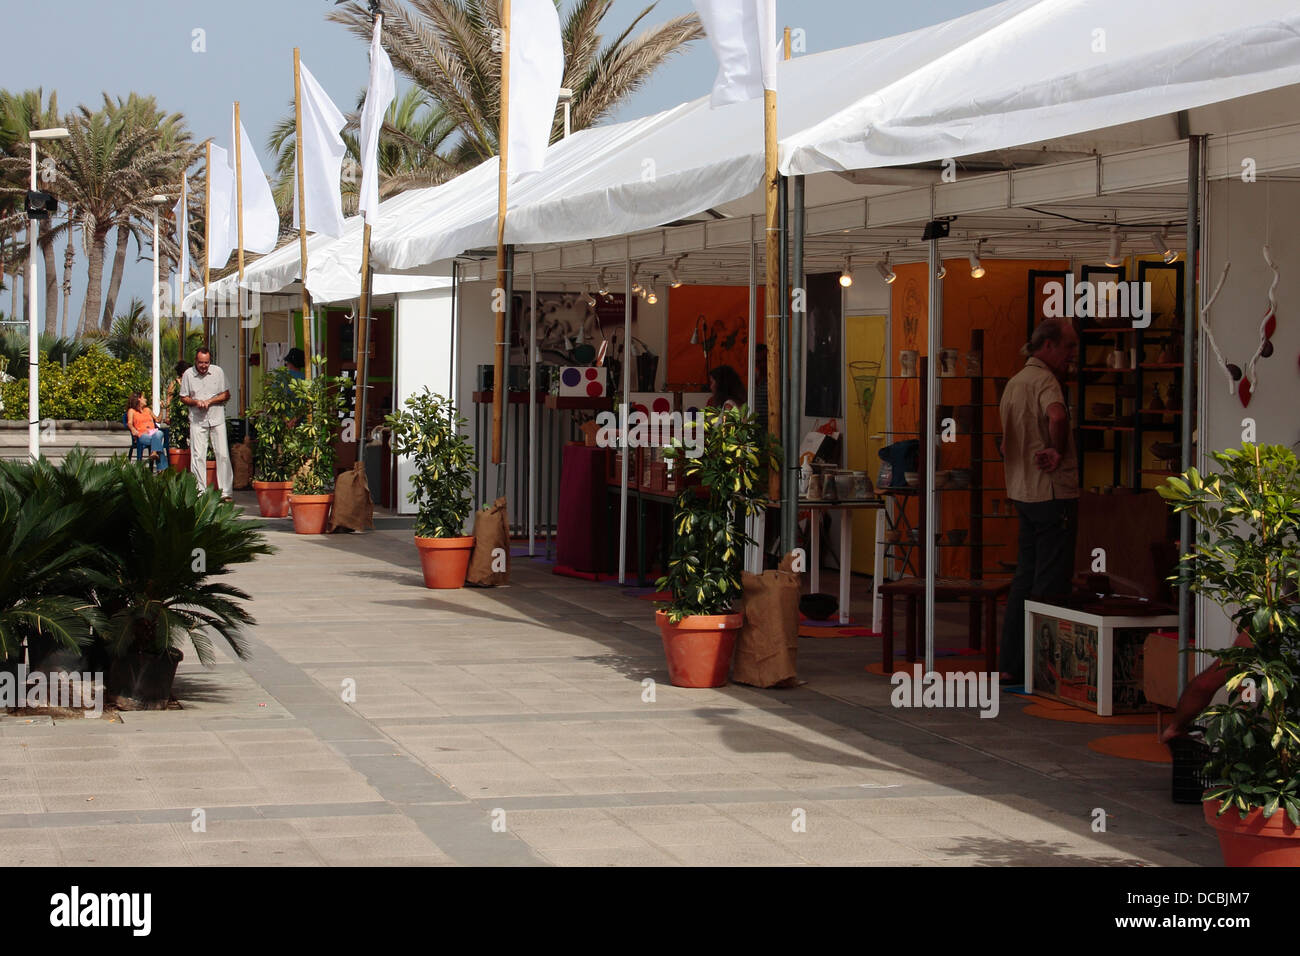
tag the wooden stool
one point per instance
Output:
(985, 593)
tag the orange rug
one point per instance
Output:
(1144, 747)
(847, 630)
(1055, 710)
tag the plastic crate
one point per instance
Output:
(1189, 780)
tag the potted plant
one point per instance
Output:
(1246, 559)
(698, 625)
(178, 436)
(428, 430)
(164, 553)
(273, 416)
(309, 448)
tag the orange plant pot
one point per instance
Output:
(311, 513)
(178, 459)
(1254, 841)
(699, 648)
(444, 561)
(273, 498)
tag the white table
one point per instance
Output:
(754, 559)
(1106, 625)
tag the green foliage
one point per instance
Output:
(178, 419)
(309, 444)
(93, 388)
(709, 541)
(428, 430)
(14, 347)
(275, 414)
(1246, 559)
(109, 546)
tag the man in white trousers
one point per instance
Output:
(204, 390)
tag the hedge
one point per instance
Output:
(94, 387)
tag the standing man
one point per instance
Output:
(1042, 472)
(204, 390)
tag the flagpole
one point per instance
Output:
(182, 234)
(207, 232)
(775, 348)
(499, 383)
(310, 333)
(239, 292)
(361, 350)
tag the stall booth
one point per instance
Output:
(958, 173)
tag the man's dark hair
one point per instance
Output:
(203, 349)
(295, 358)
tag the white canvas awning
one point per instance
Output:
(1083, 75)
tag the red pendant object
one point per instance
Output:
(1243, 392)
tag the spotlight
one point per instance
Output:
(942, 271)
(885, 271)
(601, 285)
(1162, 247)
(977, 269)
(651, 298)
(676, 282)
(846, 276)
(591, 299)
(1114, 258)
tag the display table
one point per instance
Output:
(981, 593)
(843, 506)
(1063, 653)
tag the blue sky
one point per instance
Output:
(148, 46)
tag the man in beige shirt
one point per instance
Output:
(1042, 472)
(203, 388)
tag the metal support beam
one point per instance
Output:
(792, 407)
(503, 386)
(1195, 184)
(934, 341)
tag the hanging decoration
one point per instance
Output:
(1267, 326)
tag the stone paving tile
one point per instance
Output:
(609, 856)
(295, 852)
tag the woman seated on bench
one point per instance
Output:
(139, 418)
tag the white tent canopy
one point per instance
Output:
(1023, 72)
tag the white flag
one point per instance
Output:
(221, 209)
(261, 219)
(743, 36)
(180, 213)
(322, 158)
(536, 72)
(378, 95)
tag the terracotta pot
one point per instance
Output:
(699, 648)
(444, 561)
(178, 459)
(273, 498)
(311, 513)
(1256, 841)
(212, 475)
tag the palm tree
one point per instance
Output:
(446, 48)
(20, 113)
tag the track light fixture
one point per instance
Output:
(977, 269)
(591, 299)
(846, 276)
(1161, 246)
(885, 271)
(1114, 258)
(602, 286)
(942, 270)
(676, 282)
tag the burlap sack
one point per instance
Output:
(491, 532)
(241, 462)
(353, 510)
(769, 640)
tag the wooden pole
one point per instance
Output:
(207, 233)
(362, 348)
(239, 358)
(772, 296)
(309, 336)
(182, 237)
(499, 384)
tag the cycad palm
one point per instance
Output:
(446, 48)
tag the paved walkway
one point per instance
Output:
(509, 727)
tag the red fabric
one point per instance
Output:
(580, 536)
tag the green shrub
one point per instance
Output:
(93, 388)
(429, 431)
(309, 444)
(273, 415)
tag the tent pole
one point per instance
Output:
(772, 322)
(501, 386)
(622, 408)
(503, 280)
(789, 516)
(532, 406)
(756, 525)
(934, 335)
(1195, 183)
(361, 346)
(794, 376)
(239, 219)
(207, 235)
(308, 329)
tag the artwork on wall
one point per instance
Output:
(1038, 281)
(566, 315)
(708, 326)
(824, 364)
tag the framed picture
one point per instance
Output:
(1038, 281)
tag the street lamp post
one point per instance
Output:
(155, 395)
(33, 340)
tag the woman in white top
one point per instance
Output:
(725, 387)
